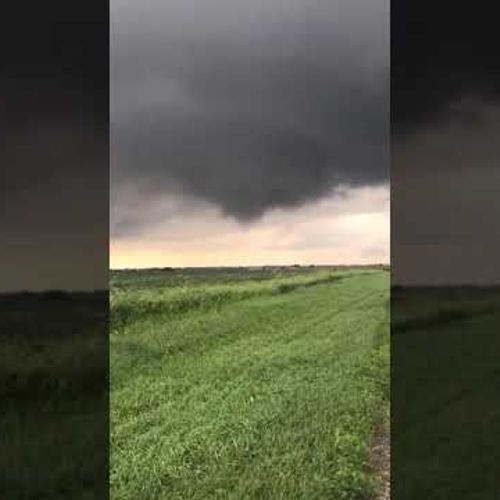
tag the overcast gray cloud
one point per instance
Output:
(445, 124)
(445, 180)
(246, 105)
(54, 182)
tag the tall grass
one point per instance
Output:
(129, 305)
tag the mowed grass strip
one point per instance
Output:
(273, 397)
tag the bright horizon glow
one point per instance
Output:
(351, 228)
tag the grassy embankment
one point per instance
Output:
(54, 396)
(246, 385)
(445, 393)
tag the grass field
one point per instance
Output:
(54, 396)
(445, 396)
(247, 384)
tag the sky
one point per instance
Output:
(445, 144)
(54, 143)
(249, 133)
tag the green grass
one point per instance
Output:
(445, 393)
(168, 294)
(270, 388)
(54, 394)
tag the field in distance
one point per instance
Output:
(261, 383)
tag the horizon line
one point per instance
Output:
(247, 266)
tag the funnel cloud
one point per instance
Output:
(249, 106)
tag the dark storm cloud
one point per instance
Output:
(248, 105)
(440, 52)
(445, 124)
(54, 189)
